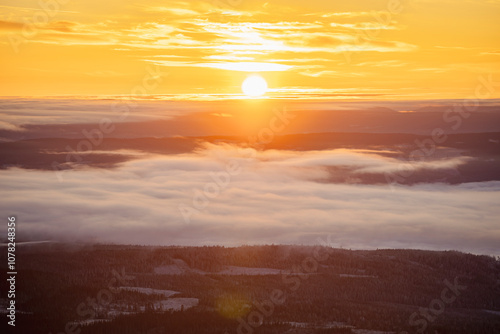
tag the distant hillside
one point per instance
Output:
(481, 152)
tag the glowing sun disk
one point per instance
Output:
(254, 86)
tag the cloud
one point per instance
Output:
(62, 26)
(59, 26)
(371, 14)
(363, 26)
(246, 66)
(9, 25)
(9, 126)
(271, 198)
(16, 112)
(175, 11)
(60, 32)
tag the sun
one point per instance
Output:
(254, 86)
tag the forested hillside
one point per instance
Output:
(252, 289)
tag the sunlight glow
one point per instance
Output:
(208, 49)
(254, 86)
(247, 66)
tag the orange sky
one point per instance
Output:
(412, 49)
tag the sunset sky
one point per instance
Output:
(418, 49)
(375, 121)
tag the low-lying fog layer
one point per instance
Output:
(224, 194)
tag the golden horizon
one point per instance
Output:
(204, 50)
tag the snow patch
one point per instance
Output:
(149, 291)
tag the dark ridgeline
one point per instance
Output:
(481, 149)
